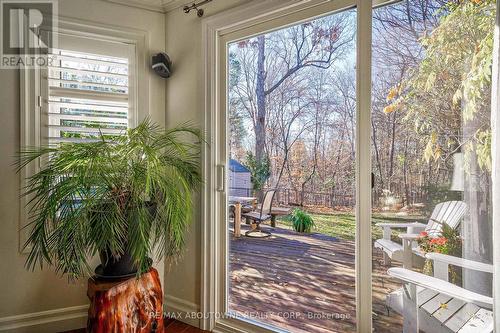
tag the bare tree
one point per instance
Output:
(314, 44)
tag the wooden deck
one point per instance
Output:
(303, 283)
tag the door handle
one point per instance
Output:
(221, 178)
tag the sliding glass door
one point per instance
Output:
(431, 139)
(351, 167)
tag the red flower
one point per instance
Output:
(439, 241)
(423, 234)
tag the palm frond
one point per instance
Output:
(98, 196)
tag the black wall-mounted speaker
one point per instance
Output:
(162, 65)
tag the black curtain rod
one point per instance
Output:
(194, 6)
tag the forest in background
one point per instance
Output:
(292, 101)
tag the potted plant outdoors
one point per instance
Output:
(123, 198)
(301, 221)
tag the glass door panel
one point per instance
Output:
(431, 164)
(291, 103)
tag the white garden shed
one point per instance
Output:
(240, 182)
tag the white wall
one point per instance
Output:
(23, 292)
(185, 103)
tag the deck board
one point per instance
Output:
(309, 277)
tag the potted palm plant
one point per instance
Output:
(122, 198)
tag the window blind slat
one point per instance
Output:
(89, 104)
(56, 80)
(90, 94)
(102, 58)
(90, 108)
(70, 58)
(56, 139)
(88, 129)
(87, 72)
(103, 119)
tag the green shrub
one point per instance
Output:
(301, 221)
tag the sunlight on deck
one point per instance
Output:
(303, 283)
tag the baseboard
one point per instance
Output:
(182, 310)
(55, 320)
(58, 320)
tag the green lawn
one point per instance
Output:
(342, 225)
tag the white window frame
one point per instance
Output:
(495, 155)
(270, 15)
(32, 99)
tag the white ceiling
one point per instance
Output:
(154, 5)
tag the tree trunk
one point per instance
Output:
(405, 174)
(260, 123)
(392, 150)
(315, 156)
(131, 305)
(377, 158)
(476, 226)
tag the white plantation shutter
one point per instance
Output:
(87, 90)
(94, 81)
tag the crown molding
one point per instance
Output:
(160, 6)
(169, 5)
(151, 5)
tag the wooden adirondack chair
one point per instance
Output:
(449, 212)
(432, 304)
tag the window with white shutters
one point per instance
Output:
(91, 87)
(87, 94)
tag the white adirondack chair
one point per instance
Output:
(449, 212)
(432, 304)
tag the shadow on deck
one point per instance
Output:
(304, 283)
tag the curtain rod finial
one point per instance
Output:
(194, 6)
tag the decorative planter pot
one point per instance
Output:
(115, 267)
(123, 266)
(133, 305)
